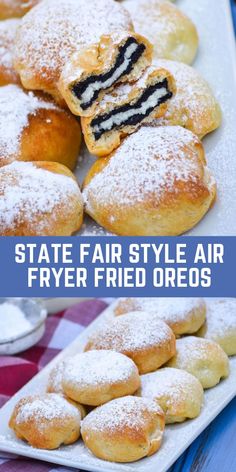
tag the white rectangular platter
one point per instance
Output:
(177, 437)
(216, 61)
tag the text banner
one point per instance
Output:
(114, 266)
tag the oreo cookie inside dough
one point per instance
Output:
(122, 111)
(132, 114)
(121, 57)
(88, 90)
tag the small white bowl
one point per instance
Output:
(36, 314)
(53, 305)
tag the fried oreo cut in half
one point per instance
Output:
(120, 57)
(121, 112)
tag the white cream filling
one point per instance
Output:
(151, 102)
(88, 94)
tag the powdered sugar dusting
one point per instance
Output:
(47, 407)
(193, 349)
(132, 332)
(28, 191)
(148, 163)
(16, 107)
(168, 309)
(55, 378)
(174, 385)
(152, 8)
(118, 94)
(117, 415)
(221, 317)
(13, 322)
(98, 368)
(193, 102)
(55, 29)
(166, 27)
(7, 35)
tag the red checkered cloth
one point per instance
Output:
(61, 329)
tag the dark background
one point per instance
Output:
(233, 6)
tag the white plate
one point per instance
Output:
(177, 437)
(216, 62)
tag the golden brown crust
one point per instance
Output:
(96, 377)
(124, 430)
(38, 130)
(51, 135)
(98, 59)
(15, 8)
(183, 316)
(147, 340)
(194, 106)
(220, 325)
(54, 30)
(8, 75)
(46, 421)
(202, 358)
(172, 33)
(131, 203)
(179, 394)
(123, 95)
(54, 384)
(30, 218)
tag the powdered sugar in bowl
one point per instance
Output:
(22, 324)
